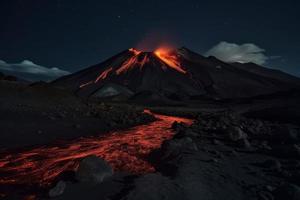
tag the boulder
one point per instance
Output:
(93, 169)
(286, 133)
(178, 126)
(295, 177)
(272, 164)
(287, 191)
(244, 143)
(286, 151)
(235, 133)
(217, 142)
(265, 195)
(187, 132)
(58, 189)
(155, 187)
(176, 146)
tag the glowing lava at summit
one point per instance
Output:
(170, 59)
(133, 61)
(135, 51)
(136, 59)
(163, 53)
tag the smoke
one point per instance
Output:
(153, 40)
(32, 69)
(231, 52)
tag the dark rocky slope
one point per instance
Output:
(223, 155)
(40, 114)
(175, 74)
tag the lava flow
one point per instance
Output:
(104, 74)
(170, 59)
(123, 150)
(167, 57)
(133, 61)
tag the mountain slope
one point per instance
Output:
(175, 72)
(271, 73)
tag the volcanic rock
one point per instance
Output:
(93, 169)
(155, 187)
(286, 151)
(286, 133)
(216, 142)
(58, 189)
(175, 125)
(244, 143)
(172, 149)
(295, 177)
(287, 191)
(272, 164)
(265, 195)
(236, 133)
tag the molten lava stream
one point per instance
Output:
(170, 59)
(124, 150)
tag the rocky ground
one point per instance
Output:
(223, 155)
(38, 114)
(226, 156)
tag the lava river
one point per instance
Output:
(123, 150)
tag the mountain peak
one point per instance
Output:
(172, 72)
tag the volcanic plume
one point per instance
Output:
(174, 74)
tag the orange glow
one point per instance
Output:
(132, 62)
(104, 74)
(85, 84)
(136, 52)
(124, 150)
(127, 64)
(139, 59)
(144, 61)
(172, 61)
(30, 197)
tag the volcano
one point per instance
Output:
(175, 74)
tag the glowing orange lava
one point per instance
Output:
(136, 52)
(124, 150)
(104, 74)
(170, 59)
(139, 59)
(128, 64)
(133, 61)
(85, 84)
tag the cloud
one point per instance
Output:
(32, 69)
(231, 52)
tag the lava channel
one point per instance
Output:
(170, 59)
(123, 150)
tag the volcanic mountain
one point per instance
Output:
(175, 74)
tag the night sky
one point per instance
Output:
(73, 34)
